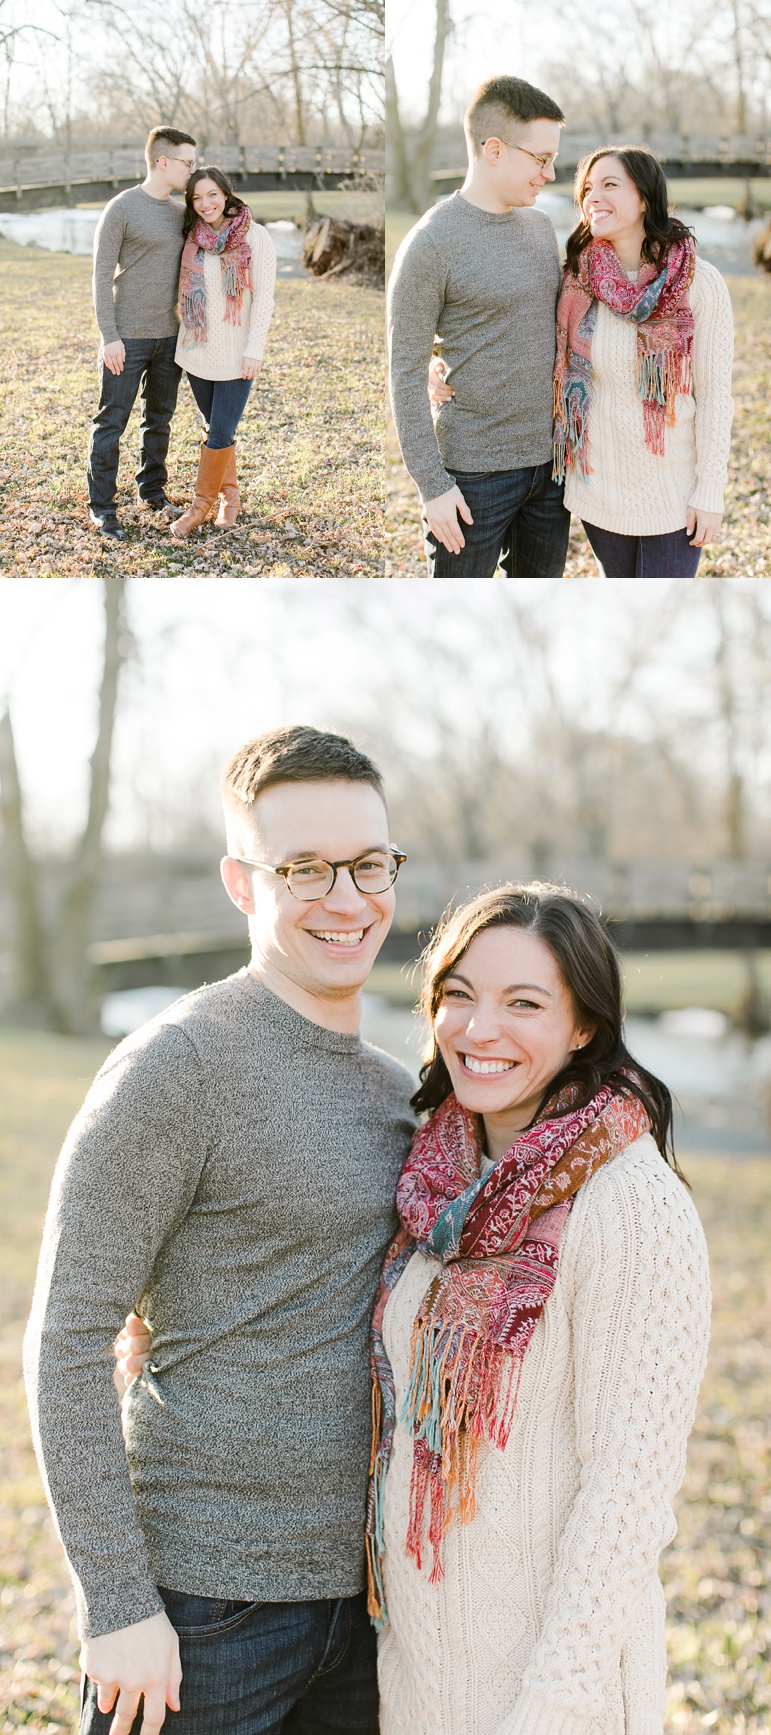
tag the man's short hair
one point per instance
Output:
(158, 141)
(501, 103)
(295, 754)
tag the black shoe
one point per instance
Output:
(159, 503)
(107, 525)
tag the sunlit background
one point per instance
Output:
(618, 742)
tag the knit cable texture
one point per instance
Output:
(550, 1618)
(632, 491)
(221, 356)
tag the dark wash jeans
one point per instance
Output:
(222, 404)
(150, 368)
(301, 1668)
(517, 512)
(669, 556)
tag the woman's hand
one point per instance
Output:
(438, 390)
(703, 527)
(250, 368)
(132, 1348)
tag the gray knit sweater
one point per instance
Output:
(141, 237)
(486, 284)
(232, 1173)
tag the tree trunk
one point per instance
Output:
(741, 94)
(400, 190)
(421, 185)
(735, 802)
(295, 70)
(31, 984)
(74, 996)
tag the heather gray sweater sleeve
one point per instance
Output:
(108, 240)
(415, 301)
(127, 1174)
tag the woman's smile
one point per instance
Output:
(489, 1067)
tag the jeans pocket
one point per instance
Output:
(197, 1616)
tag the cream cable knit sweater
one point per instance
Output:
(550, 1617)
(221, 357)
(631, 490)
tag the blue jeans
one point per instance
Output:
(149, 365)
(222, 404)
(669, 556)
(517, 512)
(302, 1668)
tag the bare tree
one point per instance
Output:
(53, 973)
(31, 985)
(424, 143)
(401, 191)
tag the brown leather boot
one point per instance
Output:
(230, 499)
(212, 467)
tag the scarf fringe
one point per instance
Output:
(498, 1244)
(230, 246)
(462, 1389)
(663, 311)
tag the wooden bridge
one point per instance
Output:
(165, 919)
(38, 180)
(697, 156)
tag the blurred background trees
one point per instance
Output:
(609, 732)
(231, 72)
(621, 69)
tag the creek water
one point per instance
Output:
(724, 238)
(73, 232)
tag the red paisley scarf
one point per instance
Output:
(659, 306)
(497, 1236)
(231, 243)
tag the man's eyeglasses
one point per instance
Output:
(307, 880)
(543, 162)
(185, 160)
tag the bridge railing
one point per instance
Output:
(639, 891)
(690, 154)
(54, 169)
(677, 147)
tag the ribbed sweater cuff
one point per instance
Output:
(707, 497)
(432, 483)
(535, 1715)
(107, 1608)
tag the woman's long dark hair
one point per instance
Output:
(661, 227)
(589, 966)
(232, 201)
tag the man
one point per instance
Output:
(232, 1174)
(137, 252)
(481, 271)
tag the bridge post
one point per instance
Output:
(281, 168)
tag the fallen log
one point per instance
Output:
(762, 248)
(334, 247)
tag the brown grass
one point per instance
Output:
(310, 445)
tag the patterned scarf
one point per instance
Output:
(235, 264)
(659, 305)
(497, 1236)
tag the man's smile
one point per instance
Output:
(339, 936)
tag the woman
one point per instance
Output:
(538, 1344)
(225, 301)
(642, 383)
